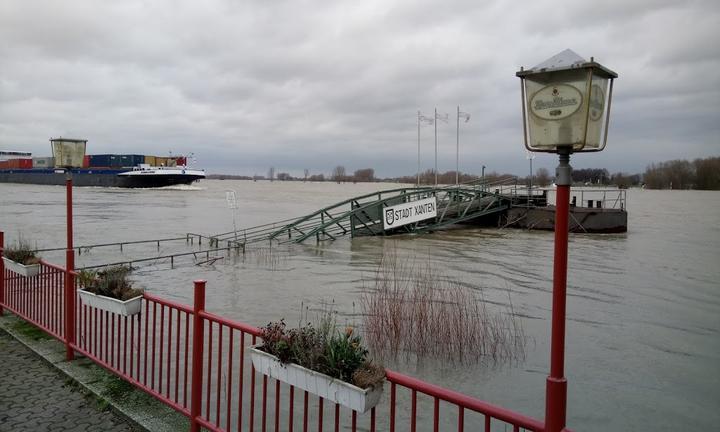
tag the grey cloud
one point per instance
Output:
(304, 84)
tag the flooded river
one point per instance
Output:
(643, 333)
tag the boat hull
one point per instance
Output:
(98, 178)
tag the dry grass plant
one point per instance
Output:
(268, 257)
(413, 310)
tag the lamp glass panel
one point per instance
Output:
(557, 109)
(598, 104)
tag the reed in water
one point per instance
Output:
(412, 309)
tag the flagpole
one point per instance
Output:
(418, 166)
(436, 172)
(457, 150)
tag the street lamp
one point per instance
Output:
(69, 153)
(530, 156)
(566, 109)
(482, 177)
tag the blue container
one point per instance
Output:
(115, 160)
(131, 160)
(101, 160)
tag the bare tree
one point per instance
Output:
(364, 175)
(307, 173)
(707, 173)
(542, 177)
(271, 173)
(674, 174)
(338, 174)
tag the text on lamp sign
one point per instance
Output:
(407, 213)
(555, 102)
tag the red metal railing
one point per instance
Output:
(208, 377)
(37, 299)
(151, 349)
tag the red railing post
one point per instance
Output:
(69, 276)
(197, 356)
(2, 272)
(556, 384)
(69, 305)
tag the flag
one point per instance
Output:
(424, 119)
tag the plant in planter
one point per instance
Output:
(110, 290)
(321, 360)
(20, 258)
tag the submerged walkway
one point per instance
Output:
(35, 397)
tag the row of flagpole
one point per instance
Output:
(424, 120)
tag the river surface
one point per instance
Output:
(643, 308)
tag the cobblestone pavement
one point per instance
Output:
(34, 397)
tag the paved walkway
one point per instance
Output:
(35, 397)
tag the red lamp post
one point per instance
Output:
(69, 277)
(564, 111)
(69, 153)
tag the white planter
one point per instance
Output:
(126, 308)
(25, 270)
(332, 389)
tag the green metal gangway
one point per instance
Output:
(363, 215)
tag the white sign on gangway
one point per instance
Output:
(410, 212)
(231, 199)
(232, 205)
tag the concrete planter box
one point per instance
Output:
(126, 308)
(25, 270)
(332, 389)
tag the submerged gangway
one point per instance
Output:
(357, 216)
(362, 215)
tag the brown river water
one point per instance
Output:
(643, 330)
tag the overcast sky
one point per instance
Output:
(315, 84)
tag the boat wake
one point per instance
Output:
(181, 187)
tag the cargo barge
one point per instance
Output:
(140, 177)
(105, 170)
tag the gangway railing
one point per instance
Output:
(337, 220)
(80, 249)
(601, 198)
(359, 215)
(169, 257)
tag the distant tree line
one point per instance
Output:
(682, 174)
(340, 175)
(675, 174)
(540, 178)
(428, 178)
(591, 176)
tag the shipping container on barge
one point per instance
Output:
(104, 170)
